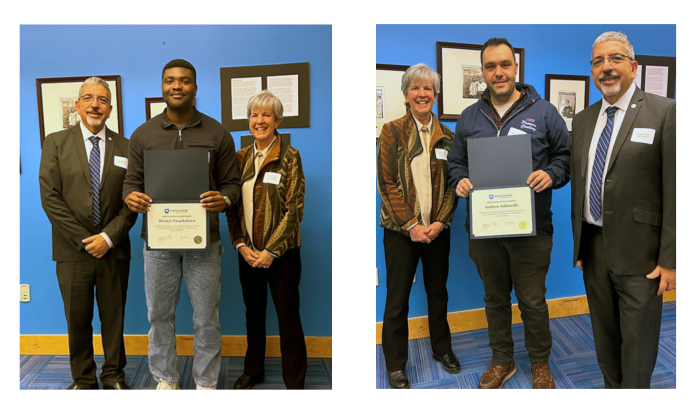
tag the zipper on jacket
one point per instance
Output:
(512, 115)
(179, 132)
(498, 131)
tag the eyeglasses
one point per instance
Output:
(615, 59)
(100, 99)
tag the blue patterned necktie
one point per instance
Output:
(601, 153)
(95, 178)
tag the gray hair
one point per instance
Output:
(266, 99)
(421, 71)
(96, 81)
(614, 37)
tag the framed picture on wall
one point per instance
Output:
(657, 75)
(461, 81)
(156, 106)
(289, 82)
(390, 100)
(568, 93)
(56, 99)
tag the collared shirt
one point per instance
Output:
(88, 145)
(498, 116)
(88, 148)
(420, 170)
(248, 188)
(621, 105)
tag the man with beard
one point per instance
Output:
(81, 175)
(623, 211)
(508, 108)
(182, 126)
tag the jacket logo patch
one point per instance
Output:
(528, 123)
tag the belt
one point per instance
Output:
(593, 227)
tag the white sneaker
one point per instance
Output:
(206, 388)
(163, 385)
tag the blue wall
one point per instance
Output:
(138, 54)
(549, 49)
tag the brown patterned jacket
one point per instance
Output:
(278, 208)
(399, 143)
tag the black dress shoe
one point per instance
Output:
(246, 383)
(83, 386)
(449, 361)
(116, 386)
(399, 380)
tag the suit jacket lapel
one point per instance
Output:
(636, 101)
(589, 124)
(79, 143)
(109, 157)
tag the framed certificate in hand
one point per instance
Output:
(174, 180)
(501, 204)
(502, 212)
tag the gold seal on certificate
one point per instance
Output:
(177, 226)
(498, 212)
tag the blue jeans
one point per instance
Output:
(163, 276)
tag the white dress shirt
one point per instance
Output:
(420, 170)
(621, 105)
(88, 148)
(248, 188)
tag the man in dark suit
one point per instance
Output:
(623, 211)
(81, 175)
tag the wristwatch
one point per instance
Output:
(228, 202)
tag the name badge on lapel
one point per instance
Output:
(643, 135)
(441, 154)
(272, 178)
(121, 162)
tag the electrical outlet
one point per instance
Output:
(24, 293)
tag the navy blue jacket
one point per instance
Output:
(550, 143)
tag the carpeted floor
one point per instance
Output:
(53, 372)
(572, 361)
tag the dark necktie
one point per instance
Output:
(95, 178)
(601, 153)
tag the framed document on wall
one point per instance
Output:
(657, 75)
(56, 99)
(154, 106)
(390, 100)
(461, 81)
(289, 82)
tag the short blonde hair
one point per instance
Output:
(266, 99)
(420, 72)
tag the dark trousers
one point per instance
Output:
(81, 282)
(521, 263)
(283, 276)
(625, 315)
(402, 257)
